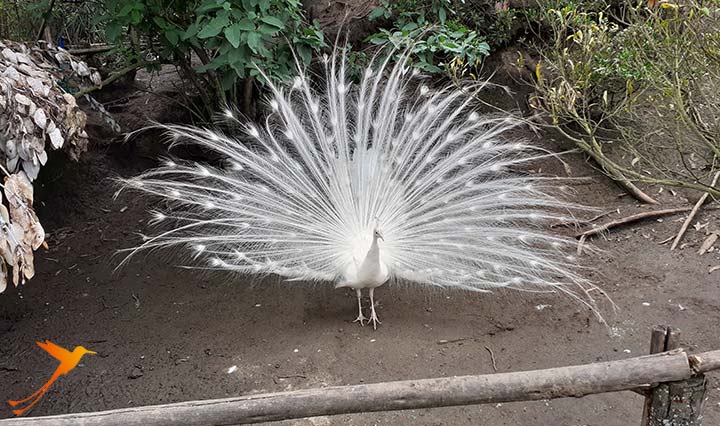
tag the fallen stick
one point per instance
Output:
(114, 76)
(692, 214)
(91, 50)
(708, 243)
(583, 221)
(634, 218)
(666, 240)
(492, 358)
(444, 342)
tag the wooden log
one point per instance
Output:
(90, 50)
(573, 381)
(706, 361)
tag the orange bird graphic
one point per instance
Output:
(68, 361)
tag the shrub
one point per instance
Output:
(440, 43)
(232, 39)
(646, 77)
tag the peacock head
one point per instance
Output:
(377, 235)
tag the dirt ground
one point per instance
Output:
(166, 334)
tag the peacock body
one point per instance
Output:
(385, 180)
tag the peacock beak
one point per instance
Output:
(91, 352)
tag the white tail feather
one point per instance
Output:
(300, 196)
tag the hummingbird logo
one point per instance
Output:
(68, 361)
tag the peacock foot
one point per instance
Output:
(360, 319)
(374, 319)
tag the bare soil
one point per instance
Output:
(166, 334)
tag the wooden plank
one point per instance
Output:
(573, 381)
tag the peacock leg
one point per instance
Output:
(360, 317)
(373, 315)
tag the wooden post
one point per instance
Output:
(674, 403)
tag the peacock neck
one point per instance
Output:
(374, 252)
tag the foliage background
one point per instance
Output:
(605, 73)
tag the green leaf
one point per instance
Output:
(173, 37)
(428, 67)
(160, 22)
(213, 27)
(273, 21)
(191, 31)
(113, 30)
(305, 53)
(254, 42)
(442, 14)
(238, 57)
(266, 29)
(213, 65)
(376, 13)
(136, 16)
(229, 79)
(125, 11)
(246, 25)
(232, 34)
(208, 5)
(410, 26)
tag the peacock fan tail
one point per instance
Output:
(303, 195)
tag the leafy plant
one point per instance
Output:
(232, 39)
(73, 21)
(438, 44)
(17, 19)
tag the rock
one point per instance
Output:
(136, 373)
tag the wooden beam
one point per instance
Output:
(573, 381)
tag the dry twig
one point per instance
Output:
(633, 218)
(708, 243)
(444, 342)
(492, 358)
(692, 214)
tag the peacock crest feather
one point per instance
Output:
(341, 169)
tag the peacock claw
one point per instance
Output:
(360, 319)
(374, 319)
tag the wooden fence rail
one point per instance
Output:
(640, 374)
